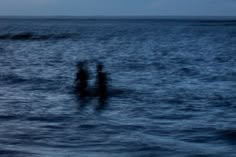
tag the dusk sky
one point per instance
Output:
(118, 7)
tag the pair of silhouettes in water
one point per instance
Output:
(81, 82)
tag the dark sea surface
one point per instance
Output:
(172, 88)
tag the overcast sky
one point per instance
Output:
(118, 7)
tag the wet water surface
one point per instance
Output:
(172, 88)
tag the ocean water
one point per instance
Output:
(172, 88)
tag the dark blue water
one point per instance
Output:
(173, 88)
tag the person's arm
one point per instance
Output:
(76, 78)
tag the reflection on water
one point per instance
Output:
(94, 102)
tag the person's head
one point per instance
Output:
(99, 67)
(81, 65)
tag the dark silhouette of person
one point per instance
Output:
(101, 82)
(81, 81)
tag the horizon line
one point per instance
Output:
(157, 17)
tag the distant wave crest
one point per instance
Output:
(32, 36)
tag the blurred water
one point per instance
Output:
(172, 88)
